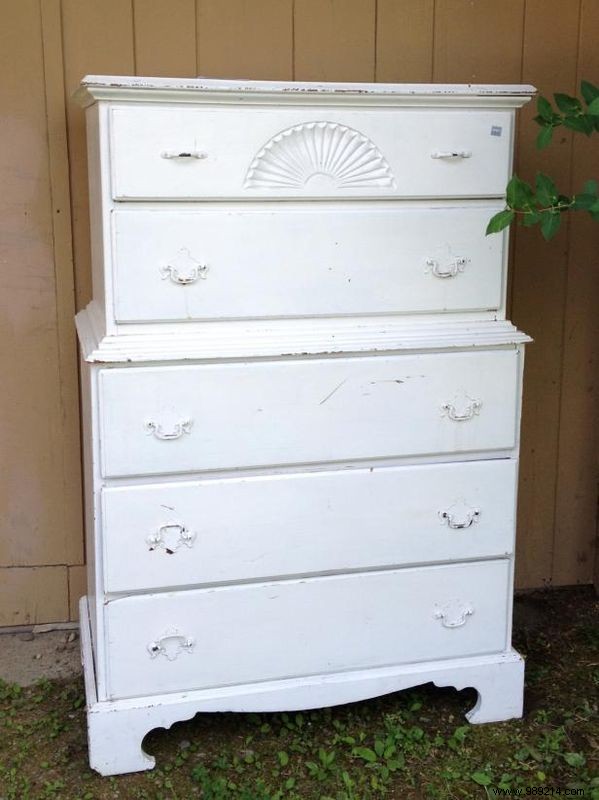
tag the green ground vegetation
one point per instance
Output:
(411, 745)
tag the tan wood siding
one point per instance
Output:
(48, 45)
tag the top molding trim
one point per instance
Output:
(117, 88)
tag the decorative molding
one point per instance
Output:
(189, 90)
(257, 339)
(319, 150)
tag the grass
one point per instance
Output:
(410, 745)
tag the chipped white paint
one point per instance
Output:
(295, 406)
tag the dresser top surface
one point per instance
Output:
(197, 90)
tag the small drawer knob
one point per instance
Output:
(459, 516)
(196, 273)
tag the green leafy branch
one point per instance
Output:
(573, 113)
(543, 204)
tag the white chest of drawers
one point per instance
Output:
(301, 400)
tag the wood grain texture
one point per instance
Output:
(77, 587)
(165, 37)
(577, 476)
(477, 42)
(245, 39)
(33, 595)
(334, 40)
(539, 286)
(35, 436)
(98, 38)
(404, 41)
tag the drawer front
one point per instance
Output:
(209, 417)
(241, 634)
(195, 153)
(211, 531)
(270, 261)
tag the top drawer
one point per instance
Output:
(197, 153)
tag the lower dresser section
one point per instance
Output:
(222, 530)
(240, 634)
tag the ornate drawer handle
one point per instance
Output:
(185, 154)
(451, 154)
(470, 410)
(170, 645)
(196, 273)
(155, 428)
(459, 522)
(453, 614)
(450, 271)
(186, 538)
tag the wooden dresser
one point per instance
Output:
(301, 400)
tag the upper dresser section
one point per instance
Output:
(209, 139)
(218, 203)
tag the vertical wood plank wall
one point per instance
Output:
(46, 46)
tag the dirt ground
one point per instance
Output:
(28, 657)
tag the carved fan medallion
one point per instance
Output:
(323, 154)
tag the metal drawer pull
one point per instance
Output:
(158, 540)
(453, 614)
(195, 273)
(451, 154)
(459, 516)
(155, 428)
(170, 645)
(468, 411)
(198, 154)
(449, 271)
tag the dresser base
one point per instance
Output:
(116, 728)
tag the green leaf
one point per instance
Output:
(519, 193)
(482, 778)
(567, 104)
(582, 124)
(550, 222)
(531, 218)
(589, 91)
(365, 753)
(379, 747)
(546, 190)
(500, 221)
(544, 137)
(594, 107)
(574, 759)
(283, 758)
(584, 202)
(591, 187)
(544, 108)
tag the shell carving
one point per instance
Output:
(325, 154)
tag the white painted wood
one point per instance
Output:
(305, 261)
(197, 90)
(116, 727)
(307, 153)
(298, 412)
(209, 637)
(231, 529)
(290, 337)
(322, 434)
